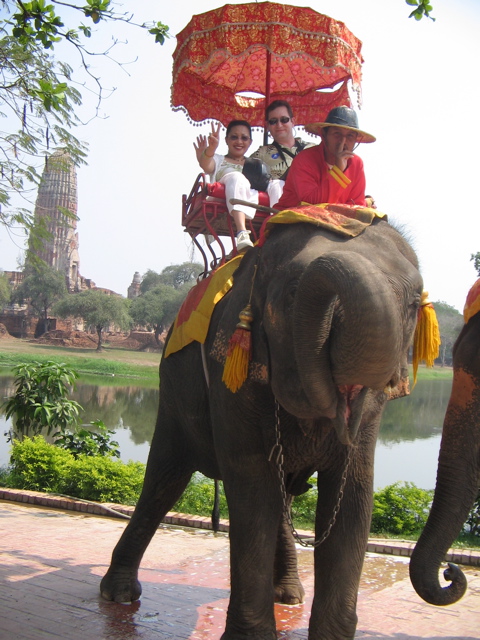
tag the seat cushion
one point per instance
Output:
(217, 190)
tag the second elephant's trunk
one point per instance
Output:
(455, 493)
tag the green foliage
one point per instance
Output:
(4, 290)
(473, 520)
(97, 309)
(450, 322)
(114, 370)
(86, 442)
(105, 480)
(179, 276)
(39, 466)
(401, 508)
(162, 295)
(422, 8)
(304, 507)
(41, 398)
(475, 257)
(198, 497)
(39, 98)
(156, 309)
(42, 286)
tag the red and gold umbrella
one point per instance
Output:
(276, 50)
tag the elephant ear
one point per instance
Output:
(226, 317)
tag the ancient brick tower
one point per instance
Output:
(57, 205)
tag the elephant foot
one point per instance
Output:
(120, 586)
(289, 592)
(236, 635)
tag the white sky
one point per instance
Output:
(420, 99)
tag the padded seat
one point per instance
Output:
(204, 212)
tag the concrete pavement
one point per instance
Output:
(52, 561)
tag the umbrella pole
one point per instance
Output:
(267, 94)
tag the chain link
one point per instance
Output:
(277, 451)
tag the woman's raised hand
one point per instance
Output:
(214, 138)
(200, 147)
(205, 148)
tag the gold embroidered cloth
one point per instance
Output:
(235, 48)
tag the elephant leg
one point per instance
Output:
(254, 504)
(288, 588)
(166, 477)
(339, 559)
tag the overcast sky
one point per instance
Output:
(420, 99)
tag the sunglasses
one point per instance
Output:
(283, 120)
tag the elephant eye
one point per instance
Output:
(415, 302)
(290, 292)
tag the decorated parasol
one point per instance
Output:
(278, 51)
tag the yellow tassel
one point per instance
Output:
(235, 371)
(426, 342)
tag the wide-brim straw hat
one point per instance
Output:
(342, 117)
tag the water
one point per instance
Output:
(407, 449)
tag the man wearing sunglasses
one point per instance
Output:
(279, 155)
(329, 172)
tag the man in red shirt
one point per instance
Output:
(329, 172)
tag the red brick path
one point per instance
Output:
(51, 563)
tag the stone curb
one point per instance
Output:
(375, 545)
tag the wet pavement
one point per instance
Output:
(52, 561)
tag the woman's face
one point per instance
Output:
(238, 141)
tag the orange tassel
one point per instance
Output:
(239, 352)
(426, 342)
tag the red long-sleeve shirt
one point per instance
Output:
(310, 180)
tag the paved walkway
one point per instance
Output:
(52, 561)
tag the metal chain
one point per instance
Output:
(279, 460)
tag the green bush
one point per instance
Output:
(198, 497)
(473, 520)
(39, 466)
(400, 509)
(105, 480)
(41, 399)
(83, 441)
(304, 507)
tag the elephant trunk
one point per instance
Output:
(455, 493)
(357, 342)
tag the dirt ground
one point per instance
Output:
(134, 341)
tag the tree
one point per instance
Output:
(39, 101)
(179, 276)
(4, 290)
(97, 309)
(42, 287)
(450, 322)
(41, 398)
(476, 262)
(157, 308)
(162, 294)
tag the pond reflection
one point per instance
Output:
(407, 448)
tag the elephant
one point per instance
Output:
(458, 474)
(333, 319)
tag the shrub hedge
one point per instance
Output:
(401, 509)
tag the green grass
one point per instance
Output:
(117, 365)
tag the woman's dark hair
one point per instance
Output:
(239, 123)
(279, 103)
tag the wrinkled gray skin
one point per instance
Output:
(330, 313)
(458, 475)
